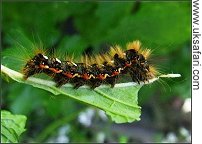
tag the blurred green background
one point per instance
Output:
(91, 27)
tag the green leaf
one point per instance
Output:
(159, 25)
(120, 102)
(12, 126)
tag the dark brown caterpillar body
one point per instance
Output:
(94, 71)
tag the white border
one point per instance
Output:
(197, 94)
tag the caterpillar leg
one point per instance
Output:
(77, 82)
(112, 81)
(134, 77)
(60, 80)
(95, 83)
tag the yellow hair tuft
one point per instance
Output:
(136, 45)
(116, 50)
(146, 53)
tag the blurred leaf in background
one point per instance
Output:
(91, 27)
(12, 126)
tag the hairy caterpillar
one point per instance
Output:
(95, 70)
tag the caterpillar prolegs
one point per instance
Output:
(95, 70)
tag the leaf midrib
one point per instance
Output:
(61, 92)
